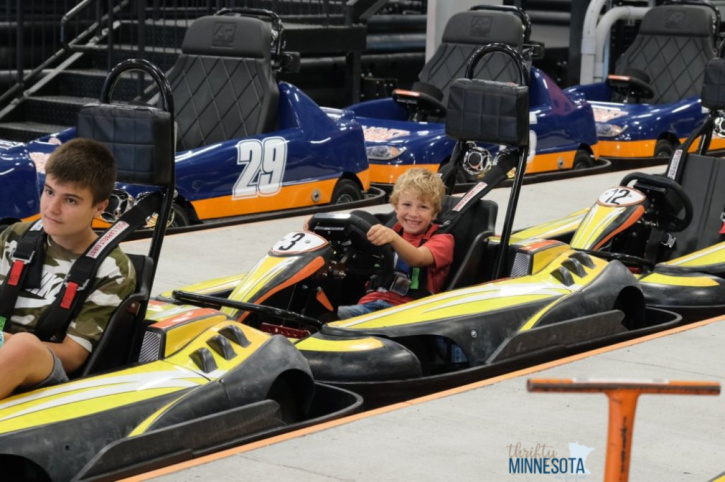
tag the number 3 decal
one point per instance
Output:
(263, 163)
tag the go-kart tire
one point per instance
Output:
(664, 149)
(582, 160)
(345, 191)
(181, 217)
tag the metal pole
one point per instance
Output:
(21, 45)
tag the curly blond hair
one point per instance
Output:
(426, 184)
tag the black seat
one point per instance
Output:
(141, 140)
(673, 44)
(471, 261)
(223, 83)
(464, 33)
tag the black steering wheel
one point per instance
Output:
(673, 207)
(420, 105)
(354, 227)
(630, 87)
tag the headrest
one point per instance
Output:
(484, 27)
(713, 87)
(488, 111)
(227, 36)
(137, 136)
(679, 21)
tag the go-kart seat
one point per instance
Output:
(464, 33)
(701, 176)
(140, 139)
(672, 46)
(470, 252)
(223, 84)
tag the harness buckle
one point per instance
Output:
(400, 284)
(19, 264)
(71, 288)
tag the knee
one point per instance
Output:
(25, 344)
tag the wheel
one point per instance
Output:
(582, 160)
(179, 216)
(664, 149)
(345, 191)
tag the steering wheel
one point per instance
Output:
(626, 259)
(354, 227)
(419, 104)
(630, 87)
(666, 194)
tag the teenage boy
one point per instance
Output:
(79, 178)
(423, 258)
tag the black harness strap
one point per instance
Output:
(54, 321)
(26, 271)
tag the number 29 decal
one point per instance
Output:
(263, 163)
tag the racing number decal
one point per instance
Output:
(295, 238)
(620, 196)
(263, 163)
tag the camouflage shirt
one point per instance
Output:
(115, 280)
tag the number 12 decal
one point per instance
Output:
(263, 167)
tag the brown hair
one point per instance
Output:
(87, 163)
(428, 185)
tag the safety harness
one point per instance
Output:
(405, 281)
(27, 270)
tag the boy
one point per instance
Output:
(80, 176)
(423, 258)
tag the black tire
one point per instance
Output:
(181, 216)
(664, 149)
(582, 160)
(345, 191)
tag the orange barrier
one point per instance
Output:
(622, 406)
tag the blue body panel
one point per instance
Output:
(640, 122)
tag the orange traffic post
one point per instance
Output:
(623, 397)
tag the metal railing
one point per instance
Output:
(36, 36)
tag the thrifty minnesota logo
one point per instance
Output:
(543, 459)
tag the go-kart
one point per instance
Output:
(407, 130)
(505, 305)
(246, 144)
(157, 389)
(669, 229)
(651, 103)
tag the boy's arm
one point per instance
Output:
(414, 257)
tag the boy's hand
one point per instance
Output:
(379, 235)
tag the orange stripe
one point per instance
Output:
(292, 196)
(645, 148)
(186, 316)
(630, 221)
(465, 388)
(313, 266)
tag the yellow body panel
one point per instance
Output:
(599, 218)
(684, 281)
(216, 285)
(646, 148)
(91, 395)
(269, 267)
(340, 345)
(713, 255)
(476, 300)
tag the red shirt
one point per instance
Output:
(441, 247)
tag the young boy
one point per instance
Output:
(80, 176)
(423, 258)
